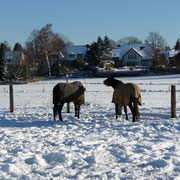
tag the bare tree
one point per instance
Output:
(156, 43)
(129, 40)
(41, 44)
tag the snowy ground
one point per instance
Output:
(97, 146)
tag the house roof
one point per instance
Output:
(76, 49)
(170, 54)
(143, 50)
(10, 55)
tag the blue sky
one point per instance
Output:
(82, 21)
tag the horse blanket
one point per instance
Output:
(69, 92)
(123, 92)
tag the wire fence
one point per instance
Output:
(40, 95)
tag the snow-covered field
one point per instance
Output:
(96, 146)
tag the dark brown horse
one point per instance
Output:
(125, 95)
(66, 93)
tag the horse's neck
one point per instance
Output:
(116, 82)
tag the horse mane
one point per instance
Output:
(110, 81)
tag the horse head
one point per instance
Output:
(82, 89)
(109, 81)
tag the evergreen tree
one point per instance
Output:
(99, 51)
(18, 47)
(177, 60)
(3, 49)
(177, 46)
(79, 63)
(92, 54)
(107, 48)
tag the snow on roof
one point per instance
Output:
(76, 49)
(15, 54)
(171, 54)
(61, 54)
(143, 50)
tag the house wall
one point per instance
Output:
(132, 58)
(115, 53)
(14, 58)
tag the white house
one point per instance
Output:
(14, 58)
(133, 54)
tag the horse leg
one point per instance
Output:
(136, 111)
(55, 109)
(132, 110)
(59, 110)
(116, 110)
(125, 110)
(76, 109)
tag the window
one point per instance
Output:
(71, 55)
(132, 63)
(9, 60)
(79, 55)
(132, 56)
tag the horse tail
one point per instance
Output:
(139, 100)
(56, 95)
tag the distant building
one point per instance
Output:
(74, 51)
(129, 54)
(13, 60)
(171, 55)
(133, 54)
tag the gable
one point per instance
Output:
(132, 51)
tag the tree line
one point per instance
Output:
(43, 44)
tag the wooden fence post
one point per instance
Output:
(68, 104)
(173, 101)
(11, 98)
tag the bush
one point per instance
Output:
(79, 63)
(55, 69)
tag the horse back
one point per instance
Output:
(68, 92)
(123, 93)
(134, 91)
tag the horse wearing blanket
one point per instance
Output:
(125, 95)
(66, 93)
